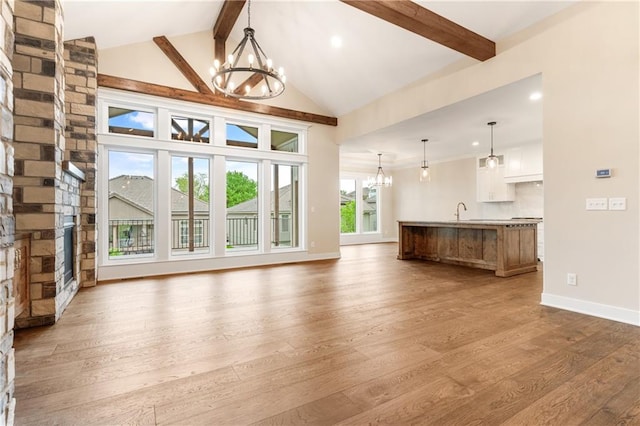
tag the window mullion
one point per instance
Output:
(219, 201)
(163, 205)
(264, 200)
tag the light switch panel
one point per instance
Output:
(618, 203)
(597, 204)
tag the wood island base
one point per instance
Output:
(507, 247)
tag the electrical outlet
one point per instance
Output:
(618, 203)
(597, 204)
(572, 279)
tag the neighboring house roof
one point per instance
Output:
(138, 191)
(251, 206)
(370, 200)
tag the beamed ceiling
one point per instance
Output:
(386, 45)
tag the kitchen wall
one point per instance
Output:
(588, 57)
(452, 182)
(529, 202)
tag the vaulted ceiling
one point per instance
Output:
(375, 57)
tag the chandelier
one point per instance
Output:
(248, 72)
(381, 179)
(425, 176)
(492, 160)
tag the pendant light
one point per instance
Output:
(381, 179)
(425, 175)
(492, 160)
(248, 69)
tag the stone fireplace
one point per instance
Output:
(55, 158)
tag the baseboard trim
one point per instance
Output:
(179, 266)
(600, 310)
(350, 240)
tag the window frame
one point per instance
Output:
(163, 147)
(360, 182)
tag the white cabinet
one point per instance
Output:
(491, 186)
(523, 164)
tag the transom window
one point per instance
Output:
(242, 136)
(131, 122)
(190, 129)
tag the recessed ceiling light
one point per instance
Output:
(535, 96)
(336, 41)
(475, 143)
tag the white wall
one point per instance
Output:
(451, 182)
(588, 57)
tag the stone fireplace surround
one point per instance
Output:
(47, 170)
(55, 156)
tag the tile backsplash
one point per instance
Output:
(529, 202)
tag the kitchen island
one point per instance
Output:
(508, 247)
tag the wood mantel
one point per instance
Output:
(508, 247)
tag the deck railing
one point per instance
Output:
(137, 236)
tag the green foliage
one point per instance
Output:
(348, 217)
(115, 252)
(200, 185)
(240, 188)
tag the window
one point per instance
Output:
(190, 196)
(131, 204)
(131, 122)
(242, 136)
(284, 141)
(359, 207)
(195, 184)
(369, 208)
(285, 189)
(242, 205)
(198, 233)
(189, 129)
(347, 206)
(184, 233)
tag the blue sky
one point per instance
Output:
(129, 163)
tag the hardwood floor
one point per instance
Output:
(366, 339)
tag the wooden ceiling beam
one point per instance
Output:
(417, 19)
(178, 60)
(251, 81)
(211, 99)
(224, 24)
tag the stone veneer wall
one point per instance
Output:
(80, 62)
(70, 187)
(7, 233)
(39, 146)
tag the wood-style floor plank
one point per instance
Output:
(361, 340)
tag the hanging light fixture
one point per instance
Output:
(492, 160)
(425, 175)
(381, 179)
(248, 73)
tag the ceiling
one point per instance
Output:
(452, 130)
(376, 57)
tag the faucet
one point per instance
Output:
(457, 215)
